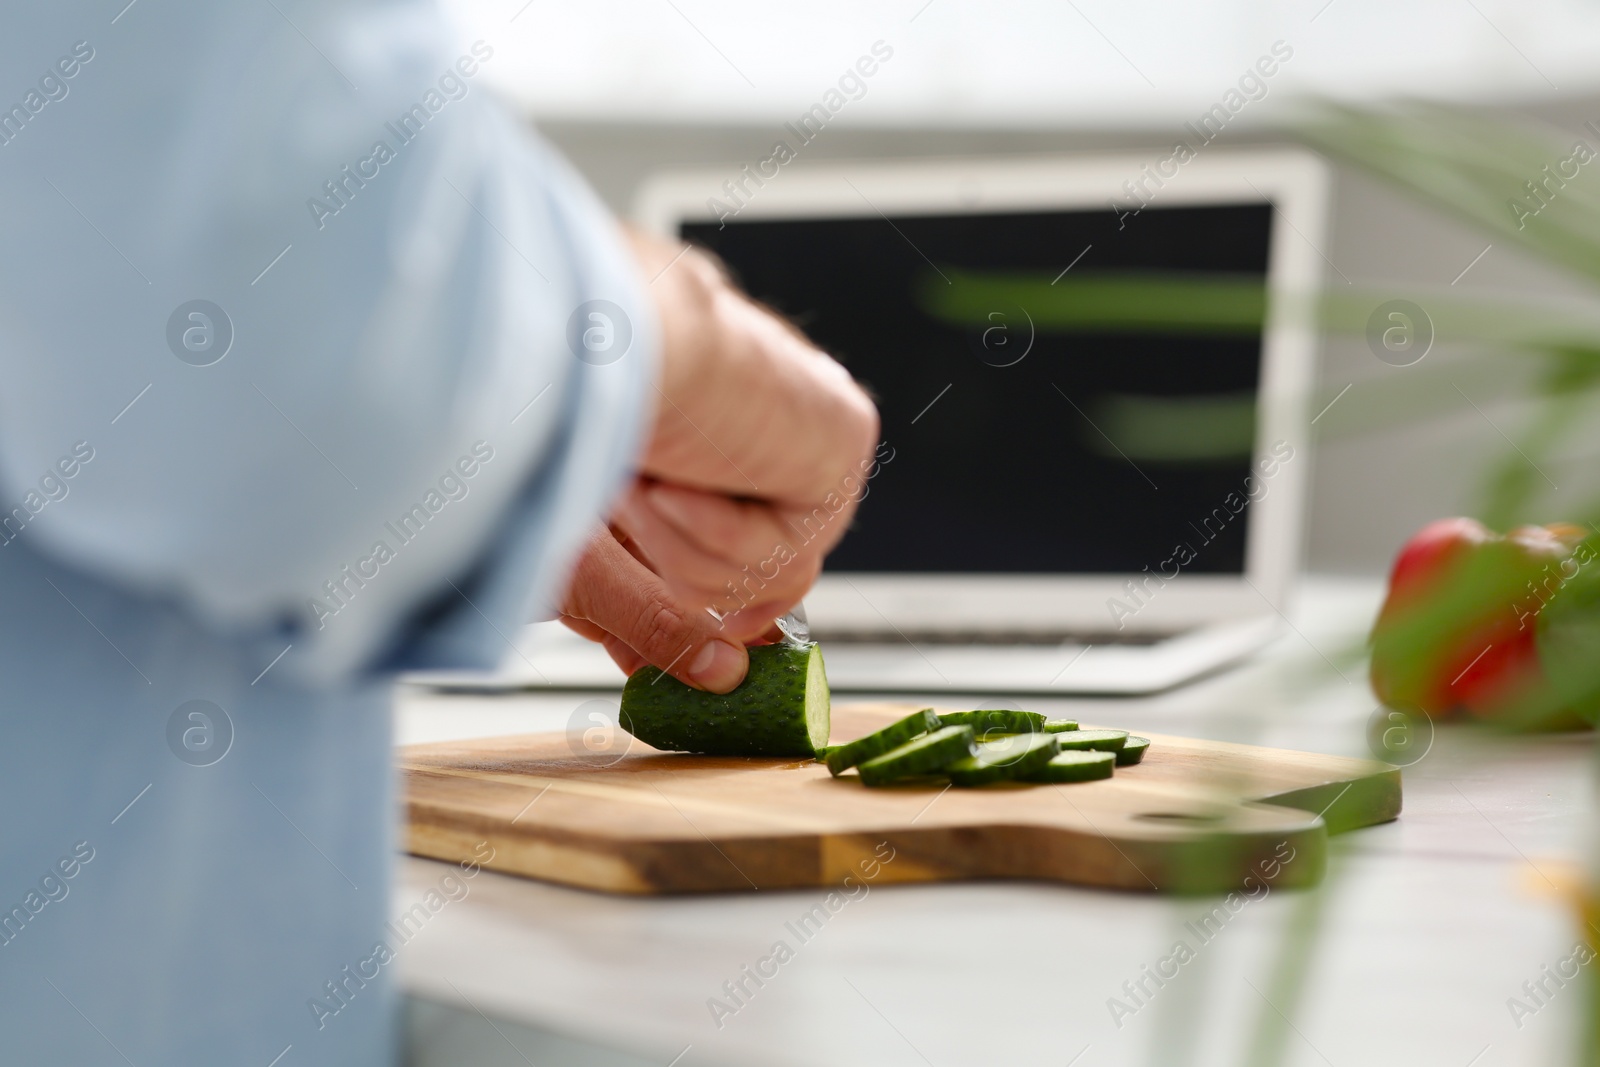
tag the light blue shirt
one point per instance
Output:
(314, 366)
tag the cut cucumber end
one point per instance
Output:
(993, 722)
(818, 702)
(1012, 757)
(931, 752)
(1097, 740)
(780, 709)
(842, 757)
(1132, 751)
(1076, 766)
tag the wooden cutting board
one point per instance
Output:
(1195, 816)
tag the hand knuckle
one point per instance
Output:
(661, 632)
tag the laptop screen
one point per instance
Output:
(1063, 392)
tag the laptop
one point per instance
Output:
(1093, 382)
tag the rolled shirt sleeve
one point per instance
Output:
(303, 333)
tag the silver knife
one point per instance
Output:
(796, 630)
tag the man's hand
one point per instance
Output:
(760, 452)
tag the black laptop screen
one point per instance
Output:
(1063, 392)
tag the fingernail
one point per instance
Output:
(718, 666)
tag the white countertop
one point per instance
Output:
(1415, 941)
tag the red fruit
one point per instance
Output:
(1494, 675)
(1432, 551)
(1456, 631)
(1511, 664)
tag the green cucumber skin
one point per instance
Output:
(1097, 740)
(991, 722)
(931, 752)
(986, 767)
(1059, 726)
(875, 744)
(764, 716)
(1075, 766)
(1133, 751)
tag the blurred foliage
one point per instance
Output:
(1476, 167)
(1516, 182)
(1521, 184)
(1525, 186)
(1199, 429)
(1146, 302)
(1530, 187)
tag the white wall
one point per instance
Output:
(1103, 63)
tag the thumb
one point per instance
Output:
(640, 622)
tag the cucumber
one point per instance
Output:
(843, 757)
(1076, 766)
(1102, 740)
(997, 761)
(823, 750)
(1133, 751)
(930, 752)
(780, 709)
(989, 722)
(1057, 726)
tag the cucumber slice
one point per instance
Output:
(1132, 751)
(822, 752)
(1076, 766)
(991, 722)
(1057, 726)
(1101, 740)
(780, 709)
(930, 752)
(843, 757)
(997, 761)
